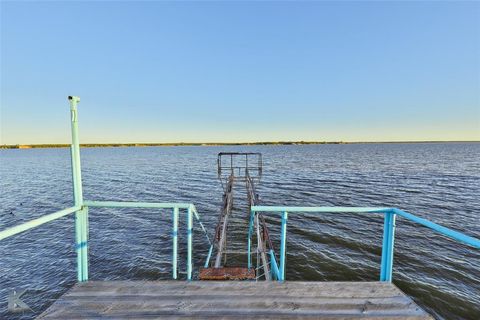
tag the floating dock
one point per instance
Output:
(234, 300)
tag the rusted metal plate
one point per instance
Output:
(227, 273)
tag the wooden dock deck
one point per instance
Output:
(234, 300)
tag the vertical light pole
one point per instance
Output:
(81, 216)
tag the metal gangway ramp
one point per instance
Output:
(235, 168)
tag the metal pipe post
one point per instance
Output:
(189, 241)
(81, 216)
(250, 230)
(207, 262)
(84, 249)
(81, 246)
(78, 245)
(273, 263)
(175, 238)
(386, 268)
(283, 245)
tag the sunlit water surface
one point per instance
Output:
(440, 182)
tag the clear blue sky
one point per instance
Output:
(218, 71)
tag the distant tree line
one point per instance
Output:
(103, 145)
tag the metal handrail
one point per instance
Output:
(390, 214)
(37, 222)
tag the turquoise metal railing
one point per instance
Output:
(81, 208)
(191, 212)
(81, 230)
(390, 214)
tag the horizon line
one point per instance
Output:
(169, 144)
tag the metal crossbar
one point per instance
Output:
(37, 222)
(264, 273)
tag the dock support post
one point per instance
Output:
(84, 249)
(81, 216)
(283, 245)
(189, 241)
(175, 238)
(79, 244)
(386, 268)
(250, 230)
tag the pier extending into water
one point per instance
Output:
(236, 168)
(273, 298)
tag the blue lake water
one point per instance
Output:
(437, 181)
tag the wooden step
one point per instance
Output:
(239, 300)
(227, 273)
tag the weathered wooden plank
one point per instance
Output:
(302, 285)
(253, 301)
(234, 300)
(327, 289)
(233, 314)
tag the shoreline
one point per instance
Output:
(200, 144)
